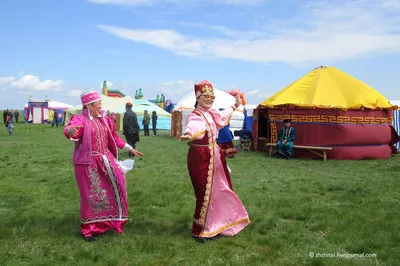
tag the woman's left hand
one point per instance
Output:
(185, 137)
(136, 153)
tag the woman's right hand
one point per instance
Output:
(238, 100)
(73, 130)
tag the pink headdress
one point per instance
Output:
(90, 97)
(204, 87)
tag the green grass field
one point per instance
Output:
(296, 207)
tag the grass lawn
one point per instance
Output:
(296, 207)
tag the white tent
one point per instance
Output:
(38, 112)
(55, 105)
(112, 104)
(248, 116)
(396, 120)
(117, 106)
(186, 105)
(250, 108)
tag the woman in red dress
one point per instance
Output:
(219, 211)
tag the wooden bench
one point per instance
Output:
(320, 151)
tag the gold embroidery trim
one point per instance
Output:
(194, 136)
(207, 89)
(247, 220)
(210, 174)
(323, 119)
(98, 198)
(332, 119)
(96, 220)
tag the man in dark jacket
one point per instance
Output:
(55, 119)
(130, 126)
(5, 113)
(16, 115)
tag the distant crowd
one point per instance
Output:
(131, 126)
(10, 117)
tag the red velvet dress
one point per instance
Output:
(218, 209)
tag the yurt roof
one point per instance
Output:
(328, 87)
(140, 105)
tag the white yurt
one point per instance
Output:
(186, 105)
(396, 120)
(111, 104)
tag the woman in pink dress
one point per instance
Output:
(219, 211)
(101, 182)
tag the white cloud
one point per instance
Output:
(30, 82)
(226, 31)
(6, 80)
(180, 83)
(75, 93)
(323, 32)
(253, 92)
(256, 98)
(175, 87)
(178, 88)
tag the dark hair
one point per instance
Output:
(195, 105)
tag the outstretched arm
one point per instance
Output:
(74, 129)
(195, 128)
(223, 117)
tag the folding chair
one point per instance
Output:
(245, 139)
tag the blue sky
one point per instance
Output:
(62, 48)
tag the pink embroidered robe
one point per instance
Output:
(101, 184)
(219, 210)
